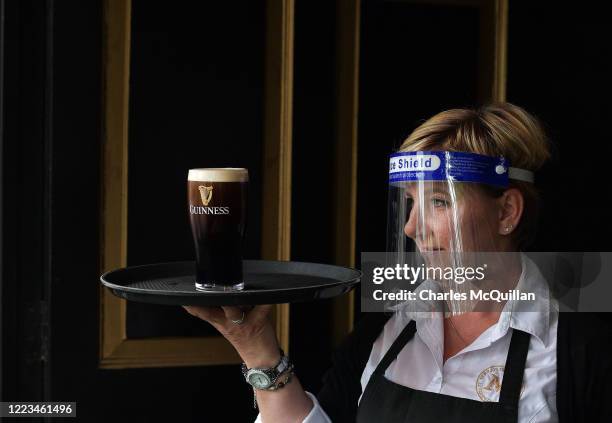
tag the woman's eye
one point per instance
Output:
(437, 202)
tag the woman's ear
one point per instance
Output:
(511, 204)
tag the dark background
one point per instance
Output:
(195, 103)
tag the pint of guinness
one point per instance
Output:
(217, 210)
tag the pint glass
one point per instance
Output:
(217, 210)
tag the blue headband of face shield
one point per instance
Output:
(414, 166)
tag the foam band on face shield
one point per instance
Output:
(454, 166)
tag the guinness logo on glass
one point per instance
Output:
(205, 194)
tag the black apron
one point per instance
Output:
(384, 401)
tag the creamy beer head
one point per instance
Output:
(219, 174)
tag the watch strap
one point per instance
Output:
(278, 384)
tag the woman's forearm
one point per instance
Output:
(288, 404)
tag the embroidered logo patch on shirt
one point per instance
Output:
(489, 382)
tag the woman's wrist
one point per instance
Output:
(262, 358)
(262, 351)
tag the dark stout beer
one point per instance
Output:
(217, 211)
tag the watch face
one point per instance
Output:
(259, 380)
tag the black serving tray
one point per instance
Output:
(266, 282)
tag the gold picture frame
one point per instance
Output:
(347, 107)
(116, 350)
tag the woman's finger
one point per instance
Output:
(210, 314)
(233, 313)
(259, 312)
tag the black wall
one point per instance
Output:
(196, 100)
(558, 69)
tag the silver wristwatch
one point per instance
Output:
(265, 378)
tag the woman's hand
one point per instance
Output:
(254, 338)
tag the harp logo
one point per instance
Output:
(489, 383)
(206, 194)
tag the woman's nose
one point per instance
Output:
(411, 226)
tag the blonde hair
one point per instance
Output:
(499, 129)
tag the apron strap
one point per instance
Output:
(399, 343)
(514, 369)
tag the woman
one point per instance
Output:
(458, 366)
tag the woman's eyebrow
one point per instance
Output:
(434, 190)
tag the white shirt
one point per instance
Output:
(476, 372)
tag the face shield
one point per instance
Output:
(445, 212)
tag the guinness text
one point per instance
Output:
(208, 210)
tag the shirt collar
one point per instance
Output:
(533, 317)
